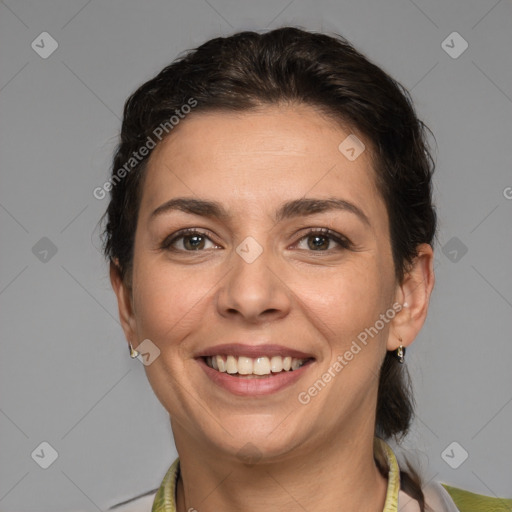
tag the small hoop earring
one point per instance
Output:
(133, 352)
(400, 352)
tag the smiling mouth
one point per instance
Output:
(254, 367)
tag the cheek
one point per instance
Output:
(350, 299)
(166, 300)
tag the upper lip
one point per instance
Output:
(253, 351)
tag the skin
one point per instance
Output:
(314, 300)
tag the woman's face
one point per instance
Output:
(258, 282)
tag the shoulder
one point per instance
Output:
(141, 503)
(468, 501)
(446, 498)
(145, 502)
(436, 498)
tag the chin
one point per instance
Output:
(257, 438)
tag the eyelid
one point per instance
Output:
(340, 239)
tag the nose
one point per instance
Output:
(253, 291)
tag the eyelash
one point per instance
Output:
(343, 242)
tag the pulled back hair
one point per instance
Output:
(246, 71)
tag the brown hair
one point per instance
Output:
(290, 65)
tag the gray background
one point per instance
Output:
(65, 374)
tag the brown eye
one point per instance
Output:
(193, 242)
(320, 239)
(318, 242)
(187, 240)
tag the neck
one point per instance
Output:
(341, 476)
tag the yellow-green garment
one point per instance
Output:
(470, 502)
(465, 501)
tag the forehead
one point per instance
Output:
(253, 159)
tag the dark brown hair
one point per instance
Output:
(292, 66)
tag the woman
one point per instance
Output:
(270, 237)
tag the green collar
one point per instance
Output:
(165, 498)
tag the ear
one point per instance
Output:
(124, 303)
(414, 296)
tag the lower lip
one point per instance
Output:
(255, 386)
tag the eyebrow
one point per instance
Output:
(288, 210)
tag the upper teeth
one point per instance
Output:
(256, 366)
